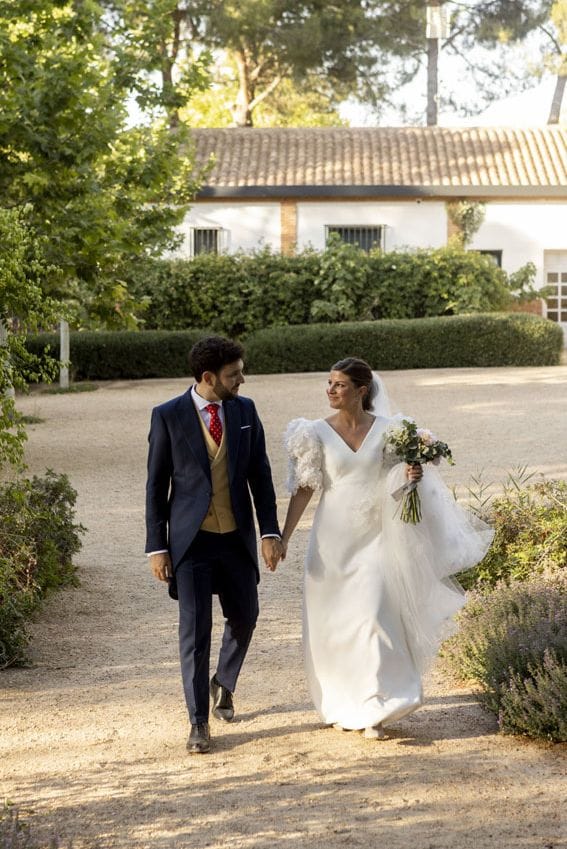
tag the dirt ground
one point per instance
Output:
(92, 735)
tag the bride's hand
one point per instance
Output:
(284, 548)
(414, 472)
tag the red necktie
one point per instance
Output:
(215, 425)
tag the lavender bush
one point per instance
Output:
(513, 644)
(536, 705)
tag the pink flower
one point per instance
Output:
(426, 436)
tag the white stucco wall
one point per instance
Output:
(408, 223)
(248, 226)
(523, 231)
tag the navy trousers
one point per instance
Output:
(215, 564)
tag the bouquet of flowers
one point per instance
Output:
(414, 445)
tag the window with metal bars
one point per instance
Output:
(205, 240)
(365, 237)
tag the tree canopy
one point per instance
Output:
(269, 57)
(23, 270)
(103, 194)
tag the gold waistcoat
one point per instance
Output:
(219, 518)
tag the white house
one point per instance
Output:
(288, 188)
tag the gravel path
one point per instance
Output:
(92, 735)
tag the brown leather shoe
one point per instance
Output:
(223, 707)
(199, 739)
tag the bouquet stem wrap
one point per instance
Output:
(410, 502)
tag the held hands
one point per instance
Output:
(160, 565)
(272, 552)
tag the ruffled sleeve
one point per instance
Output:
(305, 455)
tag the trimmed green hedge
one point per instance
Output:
(124, 355)
(494, 339)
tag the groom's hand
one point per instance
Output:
(271, 552)
(160, 565)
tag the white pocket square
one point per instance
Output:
(245, 427)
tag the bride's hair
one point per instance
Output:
(361, 375)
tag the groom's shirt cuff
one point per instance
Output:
(264, 536)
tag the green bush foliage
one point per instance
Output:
(231, 294)
(38, 539)
(125, 355)
(451, 342)
(236, 294)
(530, 524)
(513, 643)
(23, 308)
(447, 342)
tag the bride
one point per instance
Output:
(377, 591)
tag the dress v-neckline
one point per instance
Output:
(361, 446)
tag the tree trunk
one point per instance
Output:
(241, 111)
(168, 60)
(168, 89)
(555, 111)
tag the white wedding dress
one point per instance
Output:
(378, 596)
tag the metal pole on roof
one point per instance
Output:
(437, 28)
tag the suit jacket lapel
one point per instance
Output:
(188, 418)
(232, 426)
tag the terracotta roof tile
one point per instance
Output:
(421, 157)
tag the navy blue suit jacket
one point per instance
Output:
(179, 489)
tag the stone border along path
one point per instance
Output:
(92, 735)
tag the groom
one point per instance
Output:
(206, 454)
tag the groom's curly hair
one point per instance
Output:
(360, 374)
(212, 353)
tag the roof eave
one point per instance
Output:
(313, 191)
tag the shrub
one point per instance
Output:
(449, 342)
(445, 281)
(513, 643)
(530, 525)
(536, 705)
(125, 355)
(24, 307)
(232, 294)
(236, 294)
(38, 539)
(473, 340)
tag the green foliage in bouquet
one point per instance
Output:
(38, 539)
(513, 643)
(530, 523)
